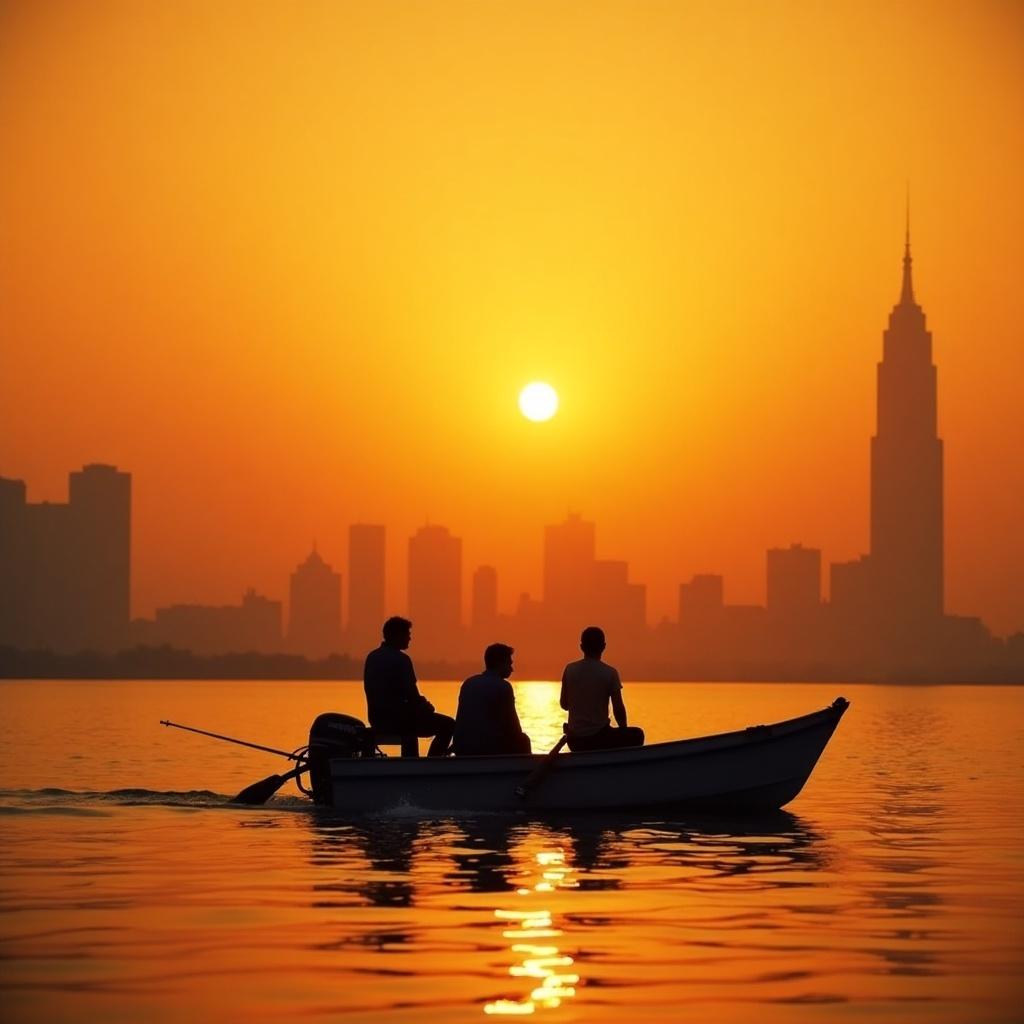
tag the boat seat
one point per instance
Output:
(410, 745)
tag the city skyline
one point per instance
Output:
(280, 343)
(884, 611)
(898, 588)
(747, 585)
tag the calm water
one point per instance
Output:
(893, 890)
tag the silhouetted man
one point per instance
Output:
(394, 703)
(487, 721)
(587, 687)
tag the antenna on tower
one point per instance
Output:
(907, 293)
(907, 236)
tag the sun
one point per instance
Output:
(538, 401)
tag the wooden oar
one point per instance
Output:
(536, 777)
(260, 792)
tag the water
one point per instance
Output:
(890, 891)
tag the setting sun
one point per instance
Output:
(538, 401)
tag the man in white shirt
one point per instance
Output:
(587, 687)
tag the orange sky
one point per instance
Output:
(290, 264)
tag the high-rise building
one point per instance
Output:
(850, 588)
(101, 501)
(485, 598)
(906, 477)
(314, 608)
(794, 581)
(612, 602)
(701, 600)
(14, 620)
(366, 603)
(568, 567)
(65, 569)
(435, 591)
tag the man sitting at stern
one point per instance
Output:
(394, 703)
(587, 687)
(486, 721)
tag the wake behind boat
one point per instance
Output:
(760, 768)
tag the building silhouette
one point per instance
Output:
(579, 590)
(701, 601)
(850, 588)
(484, 612)
(569, 556)
(65, 575)
(65, 569)
(366, 581)
(793, 579)
(253, 625)
(615, 603)
(906, 561)
(435, 591)
(314, 608)
(887, 609)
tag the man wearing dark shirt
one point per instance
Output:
(487, 722)
(394, 703)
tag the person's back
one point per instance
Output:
(389, 682)
(588, 686)
(394, 703)
(486, 721)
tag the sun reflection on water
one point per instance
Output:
(542, 963)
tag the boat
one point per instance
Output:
(760, 768)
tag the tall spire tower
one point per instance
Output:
(906, 476)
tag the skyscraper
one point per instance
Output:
(435, 590)
(65, 569)
(101, 501)
(568, 567)
(701, 601)
(906, 562)
(612, 601)
(366, 605)
(13, 563)
(793, 581)
(485, 598)
(314, 608)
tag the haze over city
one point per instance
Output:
(694, 249)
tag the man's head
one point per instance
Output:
(397, 632)
(592, 641)
(498, 658)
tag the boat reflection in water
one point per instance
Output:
(558, 859)
(521, 915)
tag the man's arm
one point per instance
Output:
(409, 689)
(561, 696)
(511, 724)
(618, 707)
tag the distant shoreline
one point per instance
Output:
(922, 683)
(169, 665)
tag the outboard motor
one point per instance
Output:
(334, 735)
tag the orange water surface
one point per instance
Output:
(890, 890)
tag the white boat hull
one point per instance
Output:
(756, 769)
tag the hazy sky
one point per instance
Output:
(290, 264)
